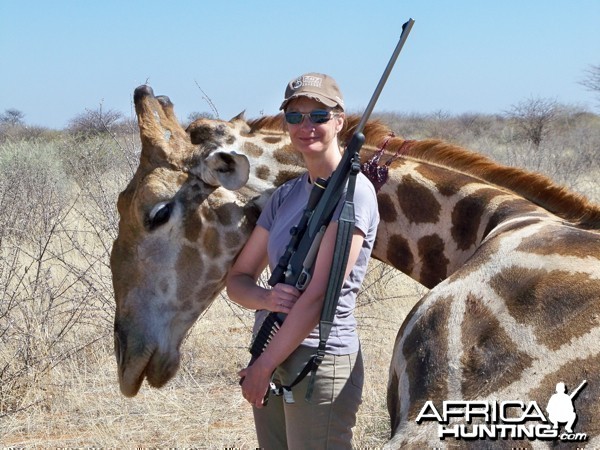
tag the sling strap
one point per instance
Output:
(343, 243)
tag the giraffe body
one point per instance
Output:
(511, 259)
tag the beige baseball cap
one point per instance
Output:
(318, 86)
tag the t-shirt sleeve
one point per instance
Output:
(365, 206)
(267, 215)
(366, 213)
(269, 212)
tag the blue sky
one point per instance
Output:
(59, 58)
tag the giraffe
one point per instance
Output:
(512, 261)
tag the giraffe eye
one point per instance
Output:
(159, 215)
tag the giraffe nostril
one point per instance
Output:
(120, 342)
(119, 353)
(117, 348)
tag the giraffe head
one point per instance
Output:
(183, 218)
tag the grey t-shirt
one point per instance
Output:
(283, 211)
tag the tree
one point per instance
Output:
(95, 121)
(592, 80)
(195, 115)
(533, 117)
(12, 117)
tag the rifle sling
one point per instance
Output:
(336, 277)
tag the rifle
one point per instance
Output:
(295, 266)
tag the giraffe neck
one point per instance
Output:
(434, 219)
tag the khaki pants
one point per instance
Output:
(323, 423)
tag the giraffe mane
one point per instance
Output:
(535, 187)
(267, 123)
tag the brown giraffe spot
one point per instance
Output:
(232, 239)
(387, 210)
(286, 156)
(252, 149)
(272, 139)
(466, 217)
(283, 176)
(399, 254)
(447, 186)
(559, 305)
(221, 129)
(490, 360)
(210, 242)
(435, 264)
(567, 241)
(586, 402)
(225, 213)
(262, 172)
(193, 227)
(199, 133)
(417, 202)
(190, 268)
(393, 400)
(251, 213)
(426, 351)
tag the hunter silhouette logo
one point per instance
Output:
(512, 419)
(560, 406)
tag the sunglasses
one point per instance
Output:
(317, 116)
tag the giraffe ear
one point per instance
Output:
(241, 116)
(230, 170)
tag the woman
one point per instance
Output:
(314, 115)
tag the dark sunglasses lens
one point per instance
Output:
(293, 118)
(319, 116)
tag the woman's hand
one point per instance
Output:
(241, 279)
(256, 379)
(281, 298)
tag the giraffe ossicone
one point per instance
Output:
(512, 261)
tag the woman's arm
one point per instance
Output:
(242, 277)
(301, 320)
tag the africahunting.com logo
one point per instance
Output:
(507, 419)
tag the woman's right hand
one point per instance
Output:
(282, 298)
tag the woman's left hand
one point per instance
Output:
(281, 298)
(256, 382)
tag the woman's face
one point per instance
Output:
(311, 139)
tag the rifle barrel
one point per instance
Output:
(338, 179)
(386, 73)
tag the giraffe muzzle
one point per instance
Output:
(139, 359)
